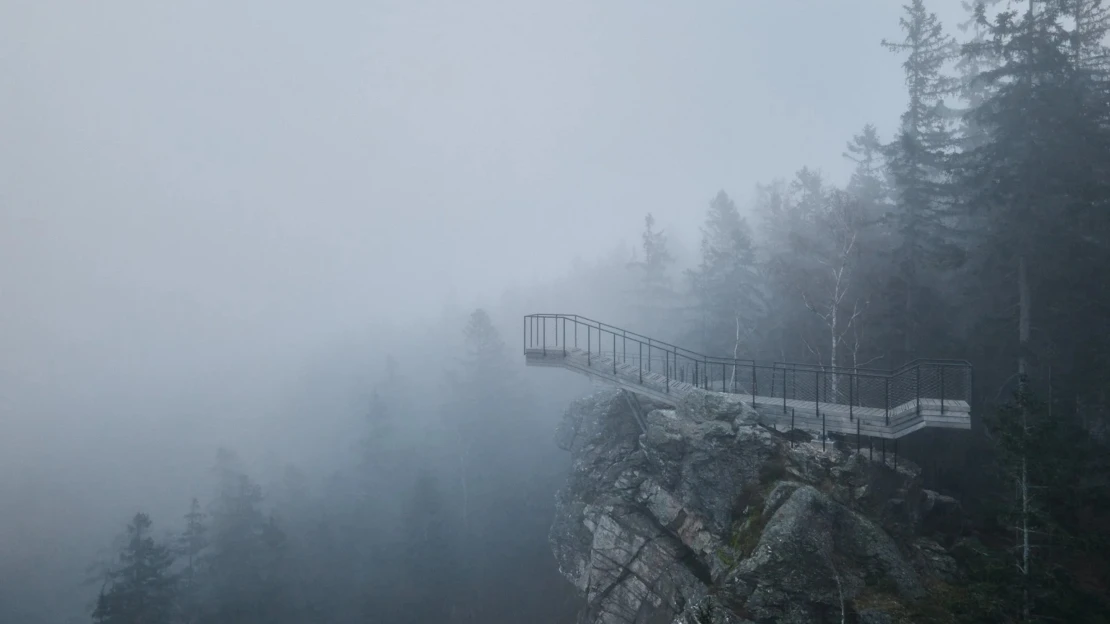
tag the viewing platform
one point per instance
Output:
(875, 403)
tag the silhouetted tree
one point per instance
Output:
(141, 588)
(189, 548)
(654, 296)
(244, 566)
(431, 573)
(918, 158)
(726, 283)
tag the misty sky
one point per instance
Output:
(196, 194)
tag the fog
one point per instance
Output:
(218, 218)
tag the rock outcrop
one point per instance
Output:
(702, 515)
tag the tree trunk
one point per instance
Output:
(1023, 319)
(834, 339)
(1023, 342)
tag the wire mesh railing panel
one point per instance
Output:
(903, 387)
(868, 391)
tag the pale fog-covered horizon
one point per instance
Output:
(217, 219)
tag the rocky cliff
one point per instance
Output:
(703, 515)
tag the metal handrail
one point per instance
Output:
(849, 386)
(639, 337)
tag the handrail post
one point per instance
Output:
(917, 389)
(697, 376)
(667, 368)
(674, 363)
(614, 354)
(783, 389)
(851, 400)
(887, 405)
(753, 384)
(942, 390)
(589, 343)
(564, 336)
(575, 333)
(640, 362)
(544, 339)
(525, 336)
(817, 397)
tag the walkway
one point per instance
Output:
(880, 404)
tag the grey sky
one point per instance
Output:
(194, 194)
(301, 160)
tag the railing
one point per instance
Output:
(887, 390)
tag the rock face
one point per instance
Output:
(706, 516)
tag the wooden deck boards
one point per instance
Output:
(896, 422)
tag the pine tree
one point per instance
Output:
(868, 182)
(726, 283)
(1039, 181)
(485, 359)
(818, 237)
(430, 569)
(141, 588)
(244, 567)
(870, 190)
(1087, 38)
(978, 56)
(190, 546)
(654, 295)
(487, 397)
(922, 220)
(780, 330)
(1044, 459)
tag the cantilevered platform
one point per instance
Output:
(879, 404)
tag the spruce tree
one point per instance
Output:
(141, 587)
(244, 567)
(190, 546)
(918, 158)
(1040, 182)
(726, 283)
(978, 55)
(870, 189)
(653, 294)
(1048, 465)
(431, 570)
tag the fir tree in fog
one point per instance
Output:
(141, 588)
(653, 291)
(726, 284)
